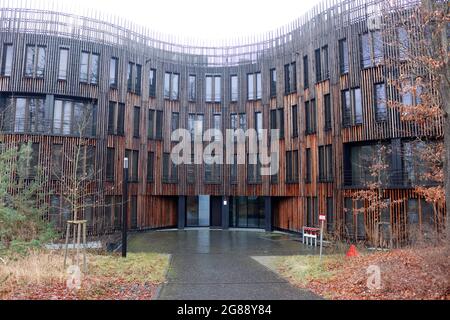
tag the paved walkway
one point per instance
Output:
(218, 265)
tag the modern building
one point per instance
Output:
(320, 80)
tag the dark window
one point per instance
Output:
(166, 167)
(258, 86)
(243, 121)
(250, 87)
(308, 178)
(192, 87)
(35, 61)
(326, 163)
(174, 90)
(134, 78)
(57, 157)
(292, 165)
(352, 107)
(159, 125)
(416, 171)
(7, 60)
(209, 89)
(167, 83)
(130, 76)
(213, 88)
(113, 72)
(295, 121)
(136, 122)
(152, 83)
(328, 114)
(273, 120)
(151, 124)
(357, 102)
(150, 166)
(170, 172)
(28, 115)
(32, 161)
(290, 78)
(305, 72)
(112, 118)
(310, 117)
(254, 86)
(234, 88)
(366, 57)
(343, 56)
(89, 66)
(86, 164)
(110, 161)
(121, 119)
(281, 122)
(234, 121)
(287, 80)
(318, 57)
(360, 158)
(273, 82)
(133, 165)
(403, 43)
(346, 109)
(258, 124)
(175, 121)
(380, 102)
(254, 169)
(371, 46)
(378, 54)
(63, 63)
(326, 70)
(217, 121)
(138, 80)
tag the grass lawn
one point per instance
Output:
(41, 276)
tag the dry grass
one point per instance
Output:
(303, 269)
(25, 276)
(35, 269)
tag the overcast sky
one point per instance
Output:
(203, 19)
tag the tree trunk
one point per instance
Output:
(446, 97)
(445, 89)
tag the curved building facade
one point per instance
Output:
(320, 81)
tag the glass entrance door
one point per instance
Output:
(198, 211)
(247, 212)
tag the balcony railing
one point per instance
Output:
(389, 178)
(45, 126)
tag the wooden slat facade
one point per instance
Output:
(157, 201)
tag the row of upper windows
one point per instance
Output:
(30, 114)
(371, 49)
(213, 172)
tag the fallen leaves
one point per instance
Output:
(406, 274)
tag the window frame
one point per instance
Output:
(7, 59)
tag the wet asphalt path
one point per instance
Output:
(218, 265)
